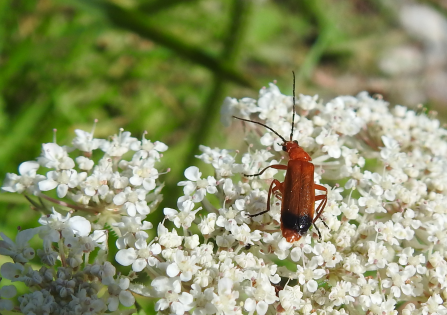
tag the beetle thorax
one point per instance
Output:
(296, 152)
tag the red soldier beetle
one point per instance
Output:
(297, 192)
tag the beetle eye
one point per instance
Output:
(295, 141)
(284, 148)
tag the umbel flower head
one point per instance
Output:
(382, 248)
(117, 190)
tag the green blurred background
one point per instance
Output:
(165, 66)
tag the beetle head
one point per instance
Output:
(295, 151)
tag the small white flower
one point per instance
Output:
(80, 225)
(19, 251)
(77, 225)
(232, 107)
(221, 160)
(148, 149)
(84, 163)
(343, 293)
(378, 255)
(353, 263)
(306, 276)
(84, 141)
(172, 296)
(262, 294)
(350, 212)
(184, 216)
(278, 244)
(207, 224)
(330, 143)
(434, 305)
(371, 204)
(133, 201)
(196, 185)
(140, 257)
(119, 294)
(402, 280)
(291, 298)
(54, 156)
(131, 228)
(406, 257)
(307, 102)
(7, 292)
(119, 145)
(225, 241)
(144, 174)
(96, 184)
(244, 235)
(27, 180)
(225, 299)
(202, 300)
(168, 239)
(182, 266)
(62, 180)
(328, 252)
(12, 271)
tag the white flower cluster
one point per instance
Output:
(116, 185)
(75, 277)
(383, 242)
(382, 252)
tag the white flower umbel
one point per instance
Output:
(385, 217)
(112, 191)
(382, 250)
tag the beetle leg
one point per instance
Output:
(276, 185)
(275, 166)
(277, 191)
(319, 234)
(279, 196)
(320, 187)
(321, 207)
(319, 211)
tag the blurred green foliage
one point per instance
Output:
(165, 66)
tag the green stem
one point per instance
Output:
(139, 23)
(327, 31)
(210, 115)
(211, 109)
(160, 5)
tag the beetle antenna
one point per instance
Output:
(256, 122)
(293, 116)
(319, 234)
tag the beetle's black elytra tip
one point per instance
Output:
(297, 223)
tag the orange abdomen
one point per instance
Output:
(298, 199)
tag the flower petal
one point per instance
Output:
(113, 303)
(28, 167)
(80, 225)
(47, 184)
(11, 271)
(6, 305)
(8, 291)
(139, 264)
(62, 190)
(126, 257)
(119, 199)
(172, 270)
(193, 173)
(126, 298)
(250, 305)
(312, 286)
(160, 146)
